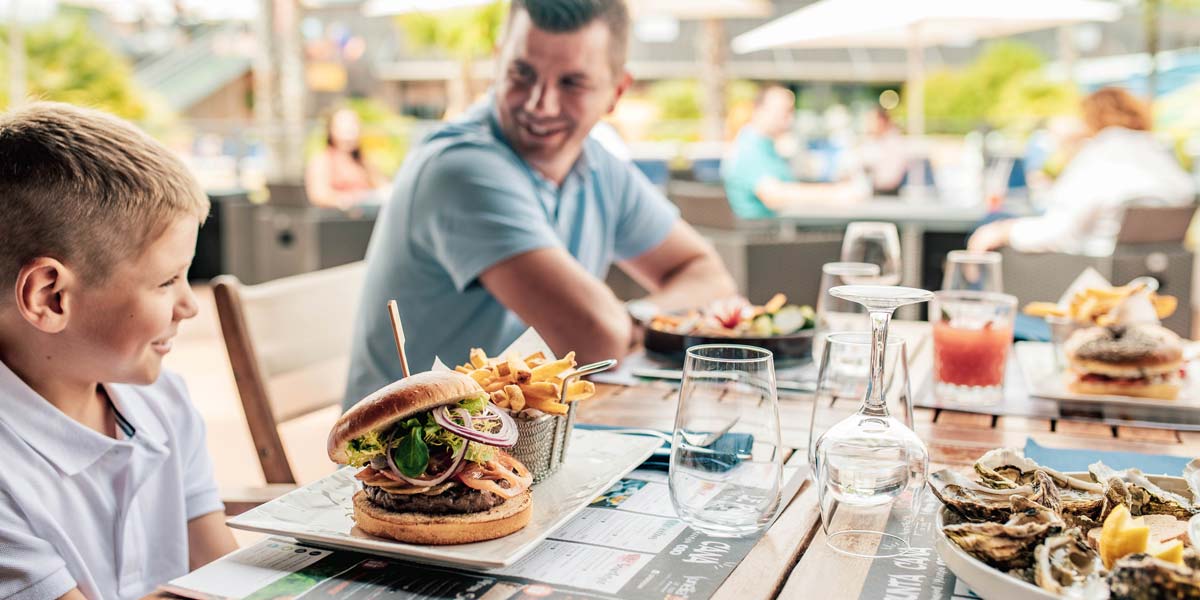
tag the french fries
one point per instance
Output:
(517, 383)
(1094, 305)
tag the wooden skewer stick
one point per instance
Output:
(398, 331)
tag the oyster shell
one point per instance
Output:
(1138, 493)
(1143, 577)
(1009, 545)
(1006, 468)
(1191, 474)
(971, 500)
(1045, 492)
(1065, 562)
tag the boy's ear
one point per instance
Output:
(40, 288)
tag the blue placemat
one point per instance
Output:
(1032, 329)
(1078, 460)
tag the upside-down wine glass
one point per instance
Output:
(870, 461)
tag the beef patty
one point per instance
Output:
(457, 500)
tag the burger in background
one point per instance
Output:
(433, 466)
(1142, 360)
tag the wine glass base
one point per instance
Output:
(864, 543)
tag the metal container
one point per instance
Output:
(542, 444)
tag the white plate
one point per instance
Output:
(1046, 380)
(993, 584)
(321, 511)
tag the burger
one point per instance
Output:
(1143, 360)
(433, 465)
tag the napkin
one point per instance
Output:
(1078, 460)
(525, 344)
(1137, 308)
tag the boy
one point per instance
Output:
(107, 488)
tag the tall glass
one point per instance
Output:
(837, 314)
(870, 462)
(877, 243)
(726, 454)
(970, 270)
(972, 332)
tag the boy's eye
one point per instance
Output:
(170, 282)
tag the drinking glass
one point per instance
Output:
(972, 332)
(726, 467)
(870, 464)
(837, 314)
(876, 243)
(970, 270)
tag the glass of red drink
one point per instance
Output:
(972, 333)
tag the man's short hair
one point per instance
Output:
(86, 188)
(564, 16)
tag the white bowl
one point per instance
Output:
(992, 584)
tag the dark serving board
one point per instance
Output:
(793, 348)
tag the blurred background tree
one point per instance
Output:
(67, 63)
(465, 34)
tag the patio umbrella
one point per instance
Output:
(915, 25)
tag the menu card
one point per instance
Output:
(628, 544)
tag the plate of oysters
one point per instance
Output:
(1017, 529)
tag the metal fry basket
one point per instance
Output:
(542, 442)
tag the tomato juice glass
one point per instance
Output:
(972, 333)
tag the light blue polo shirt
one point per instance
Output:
(464, 201)
(754, 158)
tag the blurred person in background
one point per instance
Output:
(1119, 164)
(883, 153)
(758, 180)
(511, 216)
(339, 176)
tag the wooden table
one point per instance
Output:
(791, 560)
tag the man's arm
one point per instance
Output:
(778, 194)
(683, 271)
(570, 308)
(208, 539)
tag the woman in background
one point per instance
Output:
(1120, 164)
(338, 176)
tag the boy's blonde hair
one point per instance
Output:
(86, 188)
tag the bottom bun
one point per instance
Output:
(420, 528)
(1160, 390)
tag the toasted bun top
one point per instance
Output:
(398, 401)
(1136, 345)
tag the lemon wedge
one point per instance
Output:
(1122, 535)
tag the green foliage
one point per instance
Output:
(67, 63)
(464, 33)
(1000, 88)
(386, 135)
(679, 106)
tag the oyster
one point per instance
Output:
(1138, 493)
(1143, 577)
(1045, 492)
(1006, 468)
(1065, 562)
(973, 501)
(1008, 545)
(1191, 474)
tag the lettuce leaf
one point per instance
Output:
(362, 449)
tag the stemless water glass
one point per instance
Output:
(837, 314)
(972, 332)
(975, 271)
(870, 464)
(726, 455)
(876, 243)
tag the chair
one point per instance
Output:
(284, 366)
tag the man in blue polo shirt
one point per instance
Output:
(758, 181)
(511, 216)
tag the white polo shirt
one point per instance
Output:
(80, 509)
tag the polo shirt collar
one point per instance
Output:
(67, 444)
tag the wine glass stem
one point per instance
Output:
(874, 404)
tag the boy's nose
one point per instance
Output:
(187, 307)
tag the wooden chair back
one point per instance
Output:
(289, 345)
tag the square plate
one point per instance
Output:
(321, 512)
(1047, 379)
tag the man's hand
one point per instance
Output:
(990, 236)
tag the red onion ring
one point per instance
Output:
(451, 470)
(504, 438)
